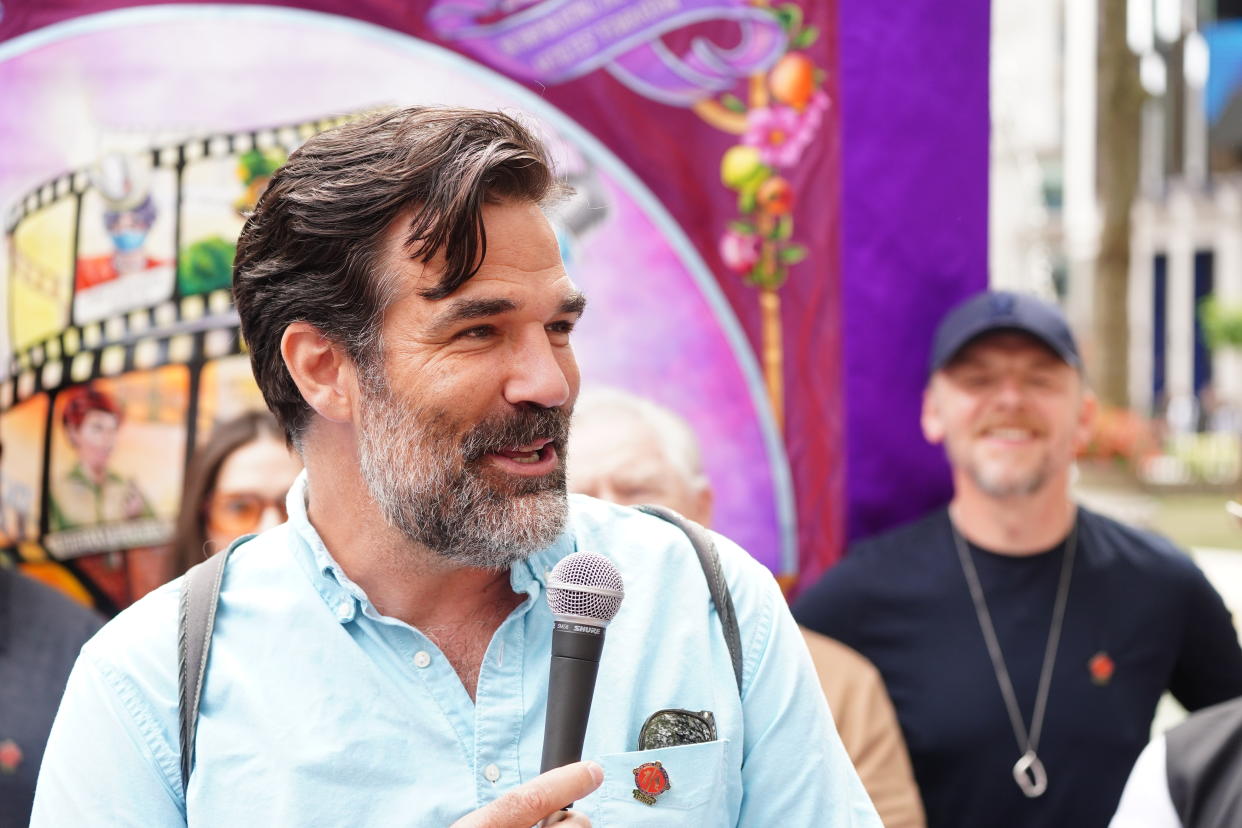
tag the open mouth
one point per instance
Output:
(533, 458)
(1009, 434)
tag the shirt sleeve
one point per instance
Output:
(1209, 664)
(794, 768)
(1145, 802)
(100, 765)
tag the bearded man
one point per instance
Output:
(1025, 640)
(382, 657)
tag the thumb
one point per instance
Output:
(542, 796)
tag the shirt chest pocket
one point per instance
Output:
(691, 791)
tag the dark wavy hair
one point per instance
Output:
(313, 250)
(190, 539)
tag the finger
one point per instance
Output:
(542, 796)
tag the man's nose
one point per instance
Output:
(1010, 392)
(537, 373)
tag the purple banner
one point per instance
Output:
(914, 214)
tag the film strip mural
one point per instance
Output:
(123, 351)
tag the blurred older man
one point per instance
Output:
(630, 450)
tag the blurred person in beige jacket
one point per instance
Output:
(629, 450)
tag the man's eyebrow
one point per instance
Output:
(573, 303)
(966, 361)
(463, 310)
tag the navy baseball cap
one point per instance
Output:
(995, 311)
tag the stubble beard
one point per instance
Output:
(1000, 483)
(430, 481)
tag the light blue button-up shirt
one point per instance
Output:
(318, 710)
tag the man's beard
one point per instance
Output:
(1002, 487)
(430, 482)
(1005, 484)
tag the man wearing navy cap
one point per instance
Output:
(1025, 641)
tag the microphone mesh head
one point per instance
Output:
(585, 585)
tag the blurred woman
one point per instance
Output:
(236, 485)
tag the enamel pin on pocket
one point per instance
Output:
(652, 780)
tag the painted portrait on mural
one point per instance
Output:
(92, 492)
(115, 473)
(125, 240)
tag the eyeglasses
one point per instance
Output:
(237, 513)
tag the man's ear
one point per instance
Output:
(929, 419)
(321, 370)
(704, 501)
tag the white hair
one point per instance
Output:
(681, 446)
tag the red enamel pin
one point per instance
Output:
(652, 780)
(1101, 668)
(10, 756)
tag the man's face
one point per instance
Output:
(1010, 413)
(463, 425)
(94, 439)
(624, 460)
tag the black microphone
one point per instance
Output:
(584, 593)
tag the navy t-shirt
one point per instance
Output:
(41, 632)
(1135, 601)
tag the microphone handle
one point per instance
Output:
(565, 729)
(576, 649)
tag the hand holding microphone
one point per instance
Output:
(584, 593)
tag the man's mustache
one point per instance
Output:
(1027, 423)
(524, 426)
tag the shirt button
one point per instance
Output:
(421, 659)
(491, 773)
(343, 610)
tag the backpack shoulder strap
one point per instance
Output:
(709, 559)
(196, 618)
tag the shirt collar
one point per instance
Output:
(345, 598)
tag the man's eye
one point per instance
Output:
(565, 326)
(477, 332)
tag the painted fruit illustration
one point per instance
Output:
(792, 80)
(775, 197)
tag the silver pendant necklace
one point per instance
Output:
(1028, 771)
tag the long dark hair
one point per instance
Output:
(190, 540)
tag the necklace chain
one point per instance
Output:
(1027, 741)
